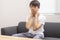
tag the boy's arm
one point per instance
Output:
(37, 25)
(28, 24)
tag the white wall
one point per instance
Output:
(0, 30)
(53, 18)
(47, 6)
(12, 12)
(57, 6)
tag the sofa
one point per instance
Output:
(52, 30)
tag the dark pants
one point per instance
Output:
(29, 35)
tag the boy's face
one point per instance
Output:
(34, 9)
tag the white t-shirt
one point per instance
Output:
(41, 20)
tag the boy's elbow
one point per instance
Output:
(27, 26)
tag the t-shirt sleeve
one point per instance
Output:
(42, 20)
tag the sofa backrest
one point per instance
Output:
(9, 30)
(21, 27)
(52, 29)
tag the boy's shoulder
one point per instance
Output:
(42, 16)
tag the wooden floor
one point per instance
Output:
(15, 38)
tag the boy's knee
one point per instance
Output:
(17, 35)
(39, 37)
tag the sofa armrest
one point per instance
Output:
(9, 30)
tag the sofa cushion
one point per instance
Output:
(52, 29)
(21, 27)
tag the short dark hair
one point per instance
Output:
(35, 3)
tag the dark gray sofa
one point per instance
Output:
(52, 30)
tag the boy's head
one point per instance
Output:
(34, 6)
